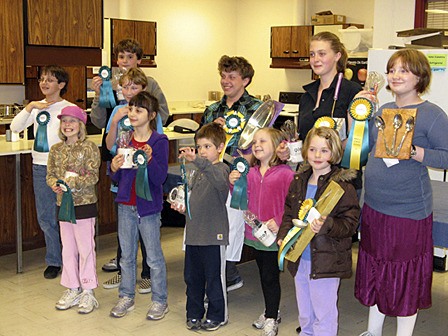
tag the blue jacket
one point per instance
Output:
(157, 172)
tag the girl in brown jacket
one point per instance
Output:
(328, 257)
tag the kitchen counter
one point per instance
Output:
(187, 107)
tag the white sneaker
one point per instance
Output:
(260, 322)
(270, 328)
(69, 299)
(87, 303)
(366, 333)
(124, 305)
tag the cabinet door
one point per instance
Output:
(12, 60)
(300, 41)
(72, 23)
(145, 33)
(281, 42)
(120, 30)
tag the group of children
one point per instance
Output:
(66, 170)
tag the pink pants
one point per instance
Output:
(317, 302)
(78, 254)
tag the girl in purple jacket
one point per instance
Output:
(140, 201)
(267, 186)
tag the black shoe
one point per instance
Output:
(51, 272)
(299, 329)
(210, 325)
(194, 324)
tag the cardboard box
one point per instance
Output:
(327, 19)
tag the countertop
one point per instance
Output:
(25, 146)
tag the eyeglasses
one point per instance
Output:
(48, 80)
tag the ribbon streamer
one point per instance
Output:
(141, 182)
(239, 194)
(41, 141)
(67, 208)
(183, 173)
(107, 98)
(357, 148)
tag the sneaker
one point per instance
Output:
(51, 272)
(69, 299)
(87, 303)
(234, 284)
(144, 286)
(261, 321)
(125, 304)
(210, 325)
(113, 282)
(193, 324)
(157, 311)
(366, 333)
(270, 328)
(110, 266)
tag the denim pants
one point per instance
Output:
(129, 226)
(46, 209)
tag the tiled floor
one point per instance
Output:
(27, 302)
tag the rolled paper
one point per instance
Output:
(67, 208)
(325, 122)
(357, 148)
(41, 141)
(239, 194)
(141, 182)
(107, 98)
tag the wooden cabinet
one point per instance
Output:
(73, 23)
(290, 42)
(12, 62)
(77, 86)
(143, 31)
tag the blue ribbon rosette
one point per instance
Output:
(107, 98)
(67, 208)
(41, 141)
(357, 149)
(239, 195)
(141, 182)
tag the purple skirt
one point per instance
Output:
(395, 263)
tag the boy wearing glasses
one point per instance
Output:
(43, 115)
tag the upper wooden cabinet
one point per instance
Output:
(292, 41)
(12, 61)
(143, 31)
(72, 23)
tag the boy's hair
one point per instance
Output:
(129, 45)
(149, 102)
(333, 142)
(276, 138)
(60, 73)
(82, 134)
(336, 45)
(238, 64)
(135, 76)
(414, 61)
(213, 132)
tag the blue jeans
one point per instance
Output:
(46, 209)
(129, 225)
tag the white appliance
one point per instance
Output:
(437, 93)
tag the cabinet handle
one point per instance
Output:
(286, 51)
(295, 51)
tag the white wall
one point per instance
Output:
(193, 34)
